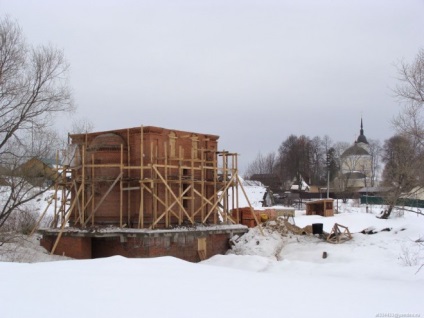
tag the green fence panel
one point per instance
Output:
(401, 202)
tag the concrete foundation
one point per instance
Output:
(191, 244)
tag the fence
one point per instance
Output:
(374, 200)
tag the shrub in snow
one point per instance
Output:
(411, 254)
(21, 221)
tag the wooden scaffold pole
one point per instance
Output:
(121, 193)
(250, 205)
(141, 208)
(128, 174)
(82, 215)
(237, 191)
(64, 221)
(215, 185)
(93, 187)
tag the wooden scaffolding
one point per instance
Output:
(166, 188)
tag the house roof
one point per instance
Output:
(304, 186)
(415, 193)
(49, 162)
(271, 180)
(78, 138)
(253, 183)
(355, 150)
(355, 175)
(361, 137)
(46, 161)
(374, 189)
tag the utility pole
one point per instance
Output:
(328, 175)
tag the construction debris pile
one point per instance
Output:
(279, 231)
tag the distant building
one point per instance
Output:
(271, 180)
(39, 171)
(299, 185)
(356, 164)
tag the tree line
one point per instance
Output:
(314, 159)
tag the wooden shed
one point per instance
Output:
(322, 207)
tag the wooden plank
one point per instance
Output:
(168, 207)
(250, 205)
(159, 200)
(91, 216)
(225, 176)
(141, 207)
(154, 202)
(202, 184)
(180, 185)
(215, 180)
(121, 193)
(201, 248)
(202, 255)
(167, 217)
(64, 221)
(172, 194)
(192, 182)
(219, 199)
(49, 202)
(128, 174)
(82, 183)
(93, 188)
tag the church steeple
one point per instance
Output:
(361, 137)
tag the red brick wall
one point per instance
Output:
(71, 246)
(109, 211)
(183, 246)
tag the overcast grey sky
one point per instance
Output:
(251, 71)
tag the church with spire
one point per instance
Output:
(356, 164)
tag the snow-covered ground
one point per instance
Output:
(273, 275)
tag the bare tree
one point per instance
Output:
(82, 126)
(294, 158)
(33, 89)
(341, 180)
(403, 171)
(318, 160)
(261, 165)
(409, 124)
(410, 92)
(375, 150)
(332, 163)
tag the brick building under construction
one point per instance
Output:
(144, 192)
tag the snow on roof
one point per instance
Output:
(295, 186)
(255, 191)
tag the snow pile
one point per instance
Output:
(24, 249)
(268, 244)
(389, 239)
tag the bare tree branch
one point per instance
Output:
(410, 93)
(33, 90)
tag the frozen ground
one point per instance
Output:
(263, 276)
